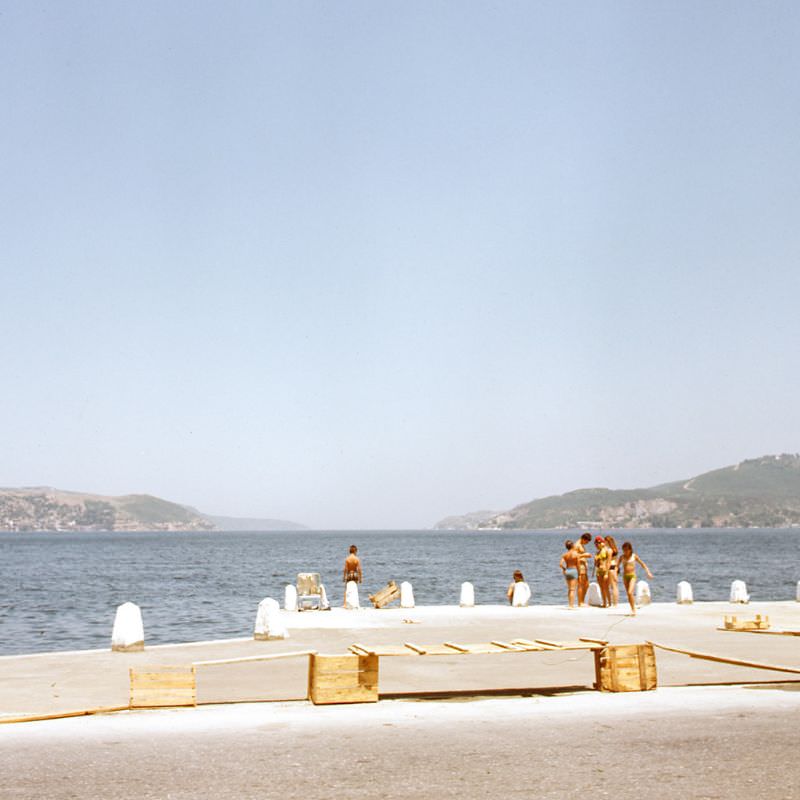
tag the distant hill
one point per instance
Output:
(42, 508)
(248, 524)
(464, 522)
(758, 493)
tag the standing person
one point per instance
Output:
(583, 566)
(613, 571)
(602, 559)
(352, 568)
(629, 560)
(569, 567)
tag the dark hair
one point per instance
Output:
(627, 546)
(569, 544)
(353, 548)
(518, 576)
(586, 537)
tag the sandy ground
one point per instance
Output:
(695, 742)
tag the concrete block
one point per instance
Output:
(522, 594)
(351, 595)
(406, 595)
(594, 597)
(685, 596)
(468, 595)
(269, 624)
(739, 592)
(127, 635)
(290, 598)
(642, 595)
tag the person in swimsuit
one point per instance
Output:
(629, 560)
(352, 567)
(613, 571)
(583, 566)
(602, 559)
(569, 567)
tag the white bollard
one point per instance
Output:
(685, 596)
(594, 597)
(739, 592)
(290, 598)
(323, 598)
(406, 595)
(468, 595)
(269, 624)
(351, 595)
(797, 597)
(642, 594)
(127, 636)
(522, 594)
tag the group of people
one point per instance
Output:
(608, 561)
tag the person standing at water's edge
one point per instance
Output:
(629, 560)
(569, 567)
(352, 567)
(583, 566)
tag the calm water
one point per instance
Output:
(59, 591)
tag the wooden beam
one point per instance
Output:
(734, 661)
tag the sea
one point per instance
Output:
(60, 591)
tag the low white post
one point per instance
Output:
(739, 592)
(797, 597)
(351, 595)
(594, 597)
(127, 636)
(467, 595)
(290, 597)
(522, 594)
(406, 595)
(323, 598)
(685, 596)
(269, 624)
(642, 594)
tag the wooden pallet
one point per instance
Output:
(735, 624)
(474, 648)
(388, 594)
(625, 668)
(342, 679)
(164, 686)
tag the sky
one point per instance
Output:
(366, 265)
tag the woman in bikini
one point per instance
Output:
(602, 560)
(629, 560)
(613, 571)
(569, 567)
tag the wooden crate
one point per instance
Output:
(625, 668)
(157, 687)
(735, 624)
(343, 679)
(383, 597)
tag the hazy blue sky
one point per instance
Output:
(367, 264)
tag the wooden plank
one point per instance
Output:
(721, 660)
(356, 695)
(386, 595)
(416, 648)
(344, 680)
(337, 663)
(592, 641)
(244, 659)
(505, 645)
(457, 647)
(155, 698)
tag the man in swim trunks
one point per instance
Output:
(569, 567)
(352, 567)
(583, 568)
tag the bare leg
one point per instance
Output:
(603, 583)
(613, 585)
(630, 586)
(572, 585)
(583, 587)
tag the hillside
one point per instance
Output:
(43, 508)
(758, 493)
